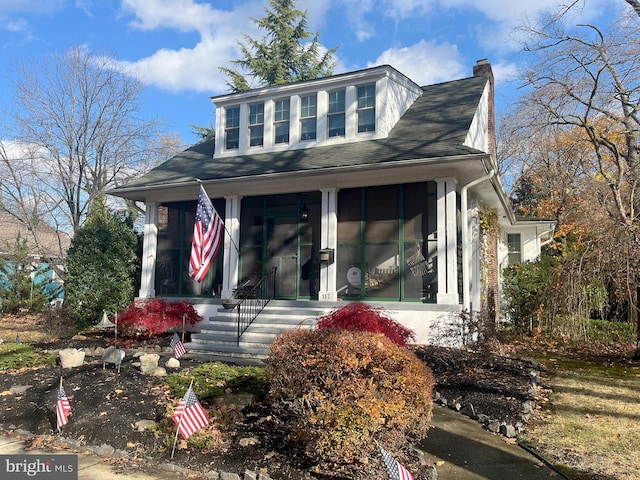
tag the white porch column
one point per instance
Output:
(447, 241)
(329, 239)
(231, 245)
(149, 247)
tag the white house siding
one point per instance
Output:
(396, 95)
(477, 136)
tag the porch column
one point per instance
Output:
(447, 241)
(329, 239)
(149, 251)
(231, 245)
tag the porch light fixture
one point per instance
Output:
(304, 211)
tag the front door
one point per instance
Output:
(282, 253)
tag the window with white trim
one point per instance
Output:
(232, 128)
(256, 124)
(281, 120)
(308, 117)
(514, 248)
(336, 114)
(366, 109)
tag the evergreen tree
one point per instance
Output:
(102, 266)
(287, 53)
(18, 289)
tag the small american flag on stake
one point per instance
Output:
(178, 346)
(63, 409)
(394, 468)
(189, 415)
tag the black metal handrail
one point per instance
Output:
(253, 300)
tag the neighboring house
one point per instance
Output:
(51, 244)
(362, 186)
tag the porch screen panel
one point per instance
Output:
(251, 239)
(349, 255)
(169, 250)
(382, 253)
(420, 241)
(175, 234)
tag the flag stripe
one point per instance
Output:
(177, 345)
(208, 231)
(63, 409)
(394, 468)
(190, 416)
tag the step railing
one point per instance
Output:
(253, 300)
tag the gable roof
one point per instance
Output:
(50, 241)
(435, 126)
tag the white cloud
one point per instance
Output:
(196, 68)
(425, 62)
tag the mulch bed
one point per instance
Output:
(107, 404)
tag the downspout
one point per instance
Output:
(466, 302)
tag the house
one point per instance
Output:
(51, 245)
(362, 186)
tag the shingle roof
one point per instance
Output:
(436, 125)
(51, 243)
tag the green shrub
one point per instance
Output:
(213, 380)
(102, 267)
(525, 286)
(349, 389)
(365, 318)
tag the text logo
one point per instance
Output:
(50, 467)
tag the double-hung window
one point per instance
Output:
(232, 128)
(335, 114)
(366, 110)
(281, 120)
(256, 124)
(308, 114)
(514, 248)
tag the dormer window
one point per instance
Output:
(256, 124)
(335, 114)
(232, 128)
(281, 120)
(308, 114)
(366, 110)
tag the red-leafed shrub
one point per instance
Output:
(365, 318)
(348, 390)
(156, 317)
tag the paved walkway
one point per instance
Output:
(464, 450)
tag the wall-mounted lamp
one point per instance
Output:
(304, 211)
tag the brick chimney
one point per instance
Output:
(482, 68)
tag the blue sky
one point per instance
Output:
(177, 46)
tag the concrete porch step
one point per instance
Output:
(218, 337)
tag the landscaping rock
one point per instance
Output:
(172, 363)
(159, 372)
(71, 357)
(508, 431)
(149, 362)
(142, 425)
